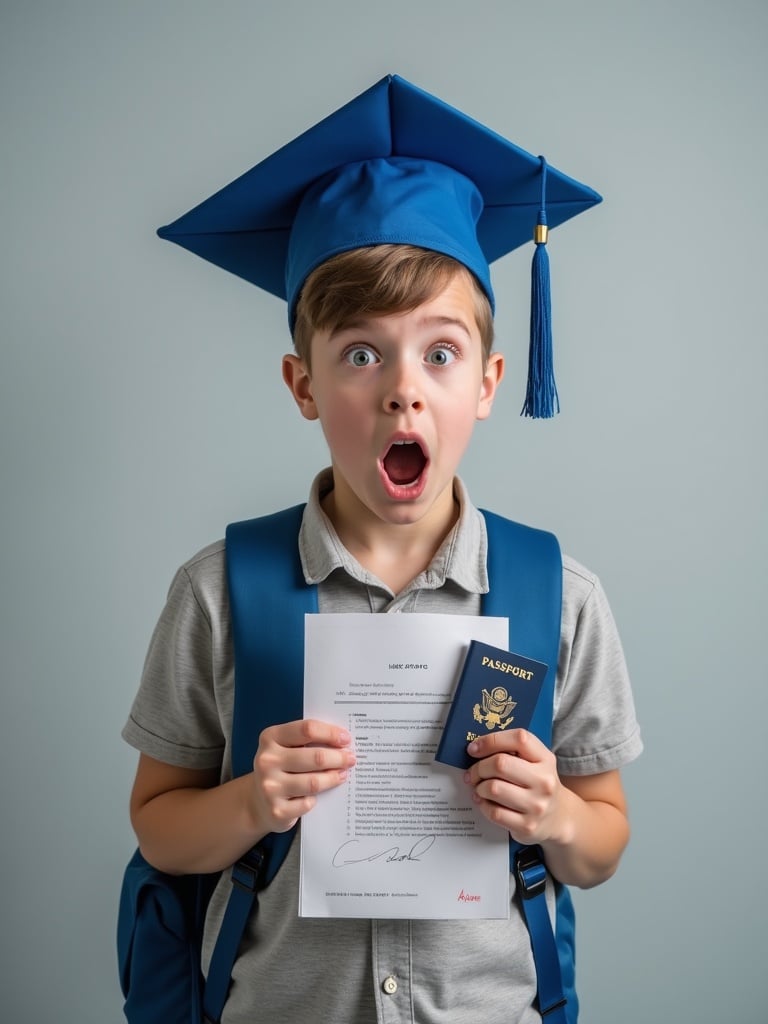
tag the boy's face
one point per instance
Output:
(397, 397)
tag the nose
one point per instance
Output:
(403, 390)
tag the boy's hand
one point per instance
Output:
(517, 786)
(580, 821)
(295, 762)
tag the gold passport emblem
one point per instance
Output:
(497, 707)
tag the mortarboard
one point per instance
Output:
(395, 164)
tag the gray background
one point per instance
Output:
(141, 410)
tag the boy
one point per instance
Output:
(391, 309)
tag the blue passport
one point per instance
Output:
(496, 690)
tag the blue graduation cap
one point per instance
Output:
(393, 165)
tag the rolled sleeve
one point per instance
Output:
(176, 716)
(595, 728)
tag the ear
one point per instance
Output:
(494, 371)
(299, 383)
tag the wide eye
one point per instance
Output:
(360, 356)
(441, 356)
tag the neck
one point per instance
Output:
(394, 552)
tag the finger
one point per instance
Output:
(506, 767)
(288, 796)
(277, 763)
(519, 826)
(299, 760)
(517, 741)
(504, 794)
(305, 784)
(306, 731)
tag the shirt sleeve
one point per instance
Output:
(176, 717)
(595, 728)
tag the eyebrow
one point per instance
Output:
(444, 321)
(426, 321)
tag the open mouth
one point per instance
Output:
(404, 462)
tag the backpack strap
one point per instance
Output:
(526, 580)
(525, 575)
(268, 599)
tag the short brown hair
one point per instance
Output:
(379, 280)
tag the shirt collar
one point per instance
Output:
(461, 557)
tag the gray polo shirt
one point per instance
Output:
(294, 969)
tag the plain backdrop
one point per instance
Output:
(141, 410)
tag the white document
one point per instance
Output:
(402, 837)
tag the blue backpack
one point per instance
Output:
(161, 917)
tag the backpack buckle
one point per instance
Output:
(247, 872)
(530, 872)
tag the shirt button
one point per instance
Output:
(389, 985)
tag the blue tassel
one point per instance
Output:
(541, 398)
